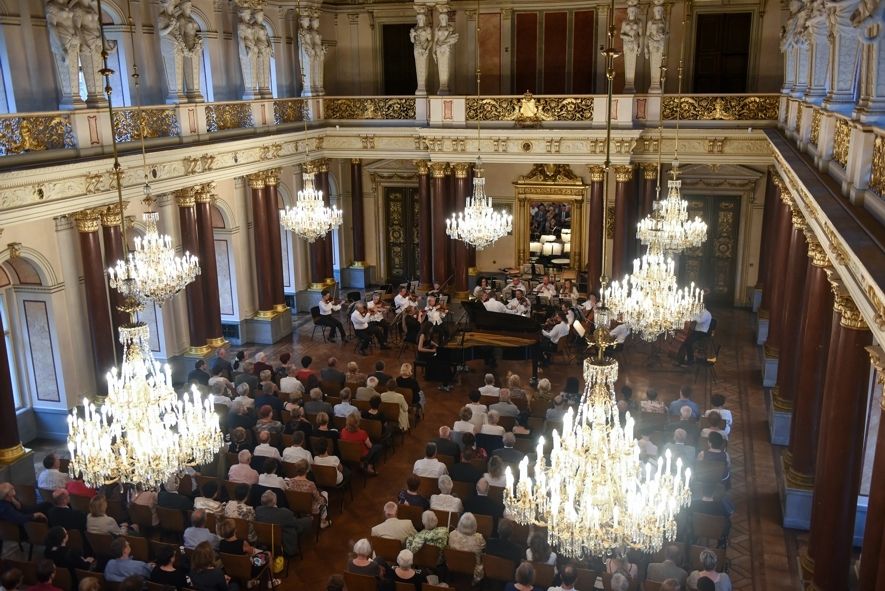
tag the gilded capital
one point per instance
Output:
(438, 169)
(87, 220)
(423, 166)
(321, 165)
(256, 180)
(850, 315)
(356, 161)
(185, 197)
(205, 193)
(649, 170)
(272, 177)
(816, 252)
(308, 168)
(778, 181)
(597, 173)
(461, 169)
(111, 215)
(798, 219)
(623, 173)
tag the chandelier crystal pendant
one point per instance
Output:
(479, 225)
(594, 495)
(152, 272)
(143, 433)
(668, 228)
(310, 218)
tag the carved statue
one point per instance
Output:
(422, 37)
(89, 32)
(263, 51)
(656, 36)
(631, 35)
(444, 38)
(248, 54)
(182, 49)
(319, 54)
(65, 42)
(312, 52)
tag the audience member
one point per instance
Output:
(687, 423)
(496, 472)
(57, 550)
(45, 571)
(380, 374)
(481, 503)
(445, 501)
(492, 427)
(465, 471)
(651, 403)
(406, 379)
(269, 406)
(264, 449)
(247, 376)
(51, 477)
(316, 404)
(325, 457)
(502, 546)
(445, 445)
(170, 498)
(98, 521)
(478, 411)
(362, 562)
(393, 528)
(61, 513)
(238, 507)
(467, 539)
(243, 471)
(199, 375)
(296, 451)
(198, 533)
(508, 454)
(684, 400)
(489, 388)
(353, 375)
(679, 449)
(716, 453)
(165, 571)
(721, 581)
(12, 579)
(205, 574)
(618, 581)
(716, 423)
(539, 550)
(504, 407)
(403, 572)
(292, 526)
(524, 579)
(122, 565)
(307, 376)
(560, 407)
(647, 449)
(332, 374)
(371, 452)
(270, 478)
(290, 384)
(464, 424)
(410, 494)
(429, 466)
(669, 568)
(468, 441)
(568, 575)
(366, 392)
(208, 500)
(718, 403)
(432, 534)
(344, 408)
(391, 395)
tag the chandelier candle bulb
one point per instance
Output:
(310, 218)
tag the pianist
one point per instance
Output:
(436, 359)
(491, 304)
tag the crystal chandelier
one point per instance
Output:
(668, 228)
(479, 224)
(152, 272)
(143, 433)
(310, 218)
(593, 494)
(650, 302)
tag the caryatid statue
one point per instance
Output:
(656, 35)
(422, 38)
(65, 42)
(631, 36)
(182, 49)
(319, 53)
(248, 53)
(444, 38)
(264, 53)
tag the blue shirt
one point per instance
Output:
(193, 536)
(118, 569)
(678, 404)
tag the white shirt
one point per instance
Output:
(463, 427)
(557, 332)
(331, 461)
(478, 290)
(702, 321)
(273, 481)
(570, 295)
(401, 302)
(434, 315)
(725, 415)
(290, 384)
(546, 291)
(490, 390)
(492, 429)
(216, 379)
(326, 308)
(266, 450)
(620, 333)
(588, 305)
(493, 305)
(522, 308)
(360, 322)
(429, 468)
(52, 479)
(219, 399)
(375, 315)
(479, 411)
(443, 502)
(342, 409)
(293, 454)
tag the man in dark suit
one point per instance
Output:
(445, 445)
(383, 378)
(247, 376)
(481, 503)
(331, 373)
(464, 471)
(61, 513)
(268, 397)
(199, 375)
(501, 546)
(292, 526)
(221, 364)
(170, 498)
(507, 453)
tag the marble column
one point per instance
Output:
(263, 260)
(10, 444)
(98, 310)
(322, 184)
(112, 237)
(190, 242)
(649, 188)
(872, 563)
(425, 226)
(357, 215)
(272, 202)
(840, 449)
(459, 264)
(438, 221)
(813, 342)
(596, 232)
(791, 314)
(203, 198)
(316, 250)
(623, 188)
(781, 243)
(765, 248)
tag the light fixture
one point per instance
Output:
(310, 218)
(668, 227)
(142, 433)
(592, 492)
(479, 225)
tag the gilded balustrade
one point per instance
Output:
(530, 108)
(877, 175)
(223, 116)
(816, 118)
(131, 124)
(841, 142)
(722, 108)
(288, 111)
(20, 134)
(391, 108)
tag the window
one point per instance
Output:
(10, 352)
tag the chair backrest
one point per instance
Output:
(374, 429)
(499, 569)
(400, 586)
(141, 515)
(486, 400)
(75, 540)
(78, 502)
(708, 472)
(460, 561)
(37, 531)
(496, 493)
(355, 582)
(544, 574)
(390, 410)
(171, 519)
(63, 580)
(27, 494)
(428, 487)
(447, 519)
(650, 585)
(711, 527)
(694, 557)
(462, 489)
(288, 469)
(507, 422)
(586, 579)
(386, 548)
(339, 422)
(449, 461)
(325, 476)
(269, 535)
(101, 545)
(237, 567)
(139, 548)
(330, 388)
(315, 313)
(407, 394)
(230, 486)
(427, 556)
(412, 513)
(156, 546)
(300, 502)
(489, 442)
(350, 451)
(485, 525)
(29, 569)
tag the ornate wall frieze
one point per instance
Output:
(841, 142)
(877, 174)
(35, 133)
(223, 116)
(530, 109)
(722, 108)
(131, 125)
(369, 108)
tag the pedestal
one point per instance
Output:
(761, 330)
(358, 277)
(779, 421)
(307, 299)
(20, 470)
(756, 298)
(795, 503)
(769, 368)
(267, 331)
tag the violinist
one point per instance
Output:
(514, 284)
(327, 306)
(568, 291)
(545, 289)
(481, 285)
(377, 309)
(520, 305)
(404, 300)
(553, 335)
(435, 312)
(364, 330)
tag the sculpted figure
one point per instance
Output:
(656, 35)
(248, 53)
(88, 25)
(422, 37)
(65, 42)
(319, 54)
(445, 37)
(182, 49)
(631, 36)
(306, 53)
(263, 53)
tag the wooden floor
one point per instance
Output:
(762, 554)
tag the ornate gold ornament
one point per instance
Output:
(816, 252)
(369, 108)
(721, 108)
(559, 174)
(185, 197)
(35, 133)
(288, 111)
(15, 249)
(841, 142)
(623, 173)
(438, 169)
(850, 315)
(256, 180)
(272, 177)
(530, 111)
(597, 173)
(877, 174)
(205, 193)
(152, 123)
(112, 215)
(461, 169)
(816, 118)
(423, 166)
(87, 220)
(222, 116)
(270, 151)
(649, 171)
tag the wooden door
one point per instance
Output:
(722, 51)
(401, 212)
(399, 60)
(713, 264)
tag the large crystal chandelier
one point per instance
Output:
(310, 218)
(152, 272)
(479, 224)
(142, 433)
(593, 494)
(668, 227)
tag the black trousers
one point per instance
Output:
(686, 351)
(333, 323)
(382, 327)
(365, 336)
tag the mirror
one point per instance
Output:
(550, 231)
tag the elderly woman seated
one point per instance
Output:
(432, 534)
(492, 427)
(445, 501)
(467, 539)
(403, 572)
(362, 562)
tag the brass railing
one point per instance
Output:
(288, 111)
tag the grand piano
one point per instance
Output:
(487, 332)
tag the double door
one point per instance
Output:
(401, 208)
(713, 264)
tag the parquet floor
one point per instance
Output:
(762, 554)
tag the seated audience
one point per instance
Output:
(478, 411)
(403, 572)
(623, 565)
(504, 407)
(366, 392)
(243, 471)
(539, 550)
(464, 424)
(300, 483)
(146, 498)
(56, 549)
(166, 571)
(371, 452)
(560, 407)
(298, 422)
(406, 379)
(45, 571)
(324, 457)
(231, 544)
(489, 388)
(410, 495)
(721, 581)
(492, 427)
(687, 423)
(237, 506)
(669, 568)
(465, 471)
(270, 478)
(481, 503)
(62, 514)
(502, 546)
(508, 454)
(467, 539)
(393, 528)
(332, 374)
(99, 522)
(353, 375)
(363, 562)
(170, 498)
(647, 449)
(290, 384)
(717, 424)
(429, 466)
(679, 449)
(391, 395)
(209, 499)
(239, 440)
(316, 404)
(292, 526)
(568, 575)
(323, 429)
(651, 404)
(524, 579)
(619, 582)
(344, 408)
(264, 448)
(444, 501)
(445, 445)
(514, 382)
(12, 510)
(373, 413)
(296, 451)
(468, 441)
(716, 453)
(52, 477)
(198, 533)
(122, 565)
(205, 574)
(11, 580)
(496, 472)
(718, 403)
(432, 534)
(684, 400)
(266, 422)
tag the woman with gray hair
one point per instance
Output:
(492, 427)
(467, 539)
(445, 501)
(708, 562)
(404, 572)
(432, 534)
(362, 562)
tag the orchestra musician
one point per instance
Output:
(568, 291)
(700, 327)
(491, 304)
(435, 312)
(327, 307)
(364, 330)
(552, 335)
(481, 285)
(437, 368)
(404, 300)
(512, 285)
(520, 305)
(545, 289)
(377, 309)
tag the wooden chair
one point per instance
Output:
(386, 548)
(586, 579)
(428, 487)
(544, 574)
(270, 536)
(75, 540)
(27, 494)
(171, 521)
(496, 493)
(46, 494)
(157, 545)
(411, 513)
(485, 524)
(400, 586)
(329, 388)
(427, 557)
(315, 315)
(101, 545)
(36, 532)
(694, 557)
(460, 561)
(708, 527)
(649, 585)
(63, 579)
(449, 461)
(239, 568)
(139, 547)
(29, 570)
(351, 455)
(326, 478)
(79, 503)
(486, 400)
(301, 503)
(447, 519)
(288, 469)
(507, 422)
(355, 582)
(375, 431)
(201, 480)
(142, 516)
(81, 574)
(499, 569)
(463, 490)
(390, 411)
(230, 486)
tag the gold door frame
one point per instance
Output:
(549, 182)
